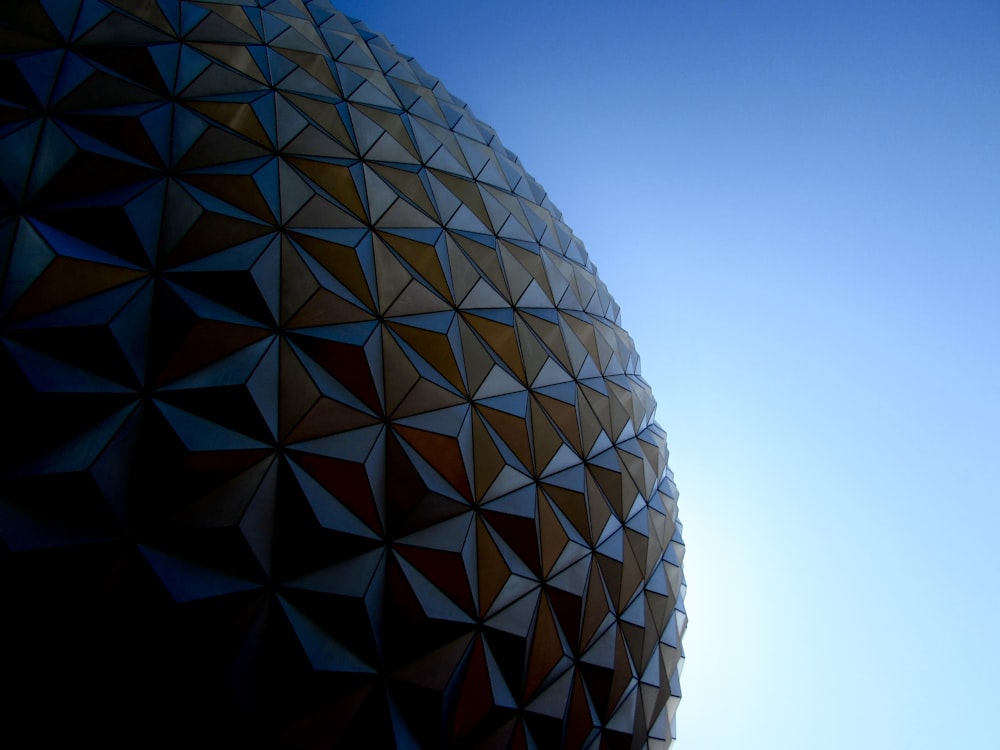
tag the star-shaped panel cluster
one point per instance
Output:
(320, 425)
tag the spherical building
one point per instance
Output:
(320, 429)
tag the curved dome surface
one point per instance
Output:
(322, 429)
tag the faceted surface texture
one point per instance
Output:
(320, 429)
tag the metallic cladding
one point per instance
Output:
(321, 430)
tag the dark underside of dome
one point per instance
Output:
(320, 428)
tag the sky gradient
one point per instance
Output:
(797, 206)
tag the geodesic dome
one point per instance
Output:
(321, 430)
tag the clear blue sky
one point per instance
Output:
(797, 205)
